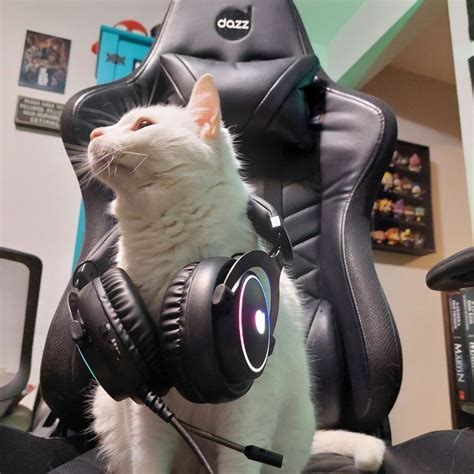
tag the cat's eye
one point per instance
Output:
(142, 123)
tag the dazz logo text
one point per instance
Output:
(233, 24)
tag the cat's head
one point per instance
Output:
(161, 150)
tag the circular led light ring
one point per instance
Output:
(242, 343)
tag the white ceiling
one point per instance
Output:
(430, 53)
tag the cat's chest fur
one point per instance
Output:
(153, 252)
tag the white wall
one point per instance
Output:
(39, 194)
(427, 114)
(463, 48)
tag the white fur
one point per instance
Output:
(367, 451)
(179, 199)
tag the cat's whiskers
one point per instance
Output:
(113, 118)
(153, 90)
(109, 161)
(143, 93)
(74, 146)
(87, 175)
(139, 164)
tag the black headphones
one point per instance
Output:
(214, 332)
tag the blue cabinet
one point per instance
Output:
(120, 52)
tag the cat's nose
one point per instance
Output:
(97, 132)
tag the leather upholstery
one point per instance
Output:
(62, 370)
(327, 363)
(454, 272)
(437, 452)
(350, 170)
(323, 149)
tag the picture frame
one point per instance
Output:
(45, 62)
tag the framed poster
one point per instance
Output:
(45, 62)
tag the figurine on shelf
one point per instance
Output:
(419, 240)
(387, 181)
(407, 185)
(399, 160)
(414, 163)
(409, 213)
(384, 206)
(406, 238)
(393, 236)
(419, 214)
(378, 236)
(395, 158)
(396, 183)
(416, 190)
(399, 209)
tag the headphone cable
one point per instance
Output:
(158, 406)
(254, 453)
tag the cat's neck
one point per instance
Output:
(194, 228)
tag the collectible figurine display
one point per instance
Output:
(378, 236)
(406, 238)
(401, 216)
(419, 241)
(387, 181)
(409, 213)
(397, 184)
(407, 185)
(416, 190)
(399, 160)
(393, 236)
(384, 206)
(419, 214)
(399, 209)
(414, 163)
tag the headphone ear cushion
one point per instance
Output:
(186, 334)
(137, 326)
(171, 330)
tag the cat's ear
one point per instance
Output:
(205, 107)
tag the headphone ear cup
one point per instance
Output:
(134, 326)
(171, 332)
(186, 334)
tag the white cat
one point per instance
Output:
(179, 199)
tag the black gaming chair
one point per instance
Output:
(317, 152)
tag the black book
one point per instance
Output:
(462, 368)
(468, 316)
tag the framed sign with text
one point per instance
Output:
(37, 113)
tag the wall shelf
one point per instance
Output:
(402, 218)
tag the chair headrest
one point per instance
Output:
(263, 99)
(262, 73)
(241, 30)
(259, 55)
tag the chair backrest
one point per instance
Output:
(316, 151)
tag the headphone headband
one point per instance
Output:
(262, 214)
(269, 225)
